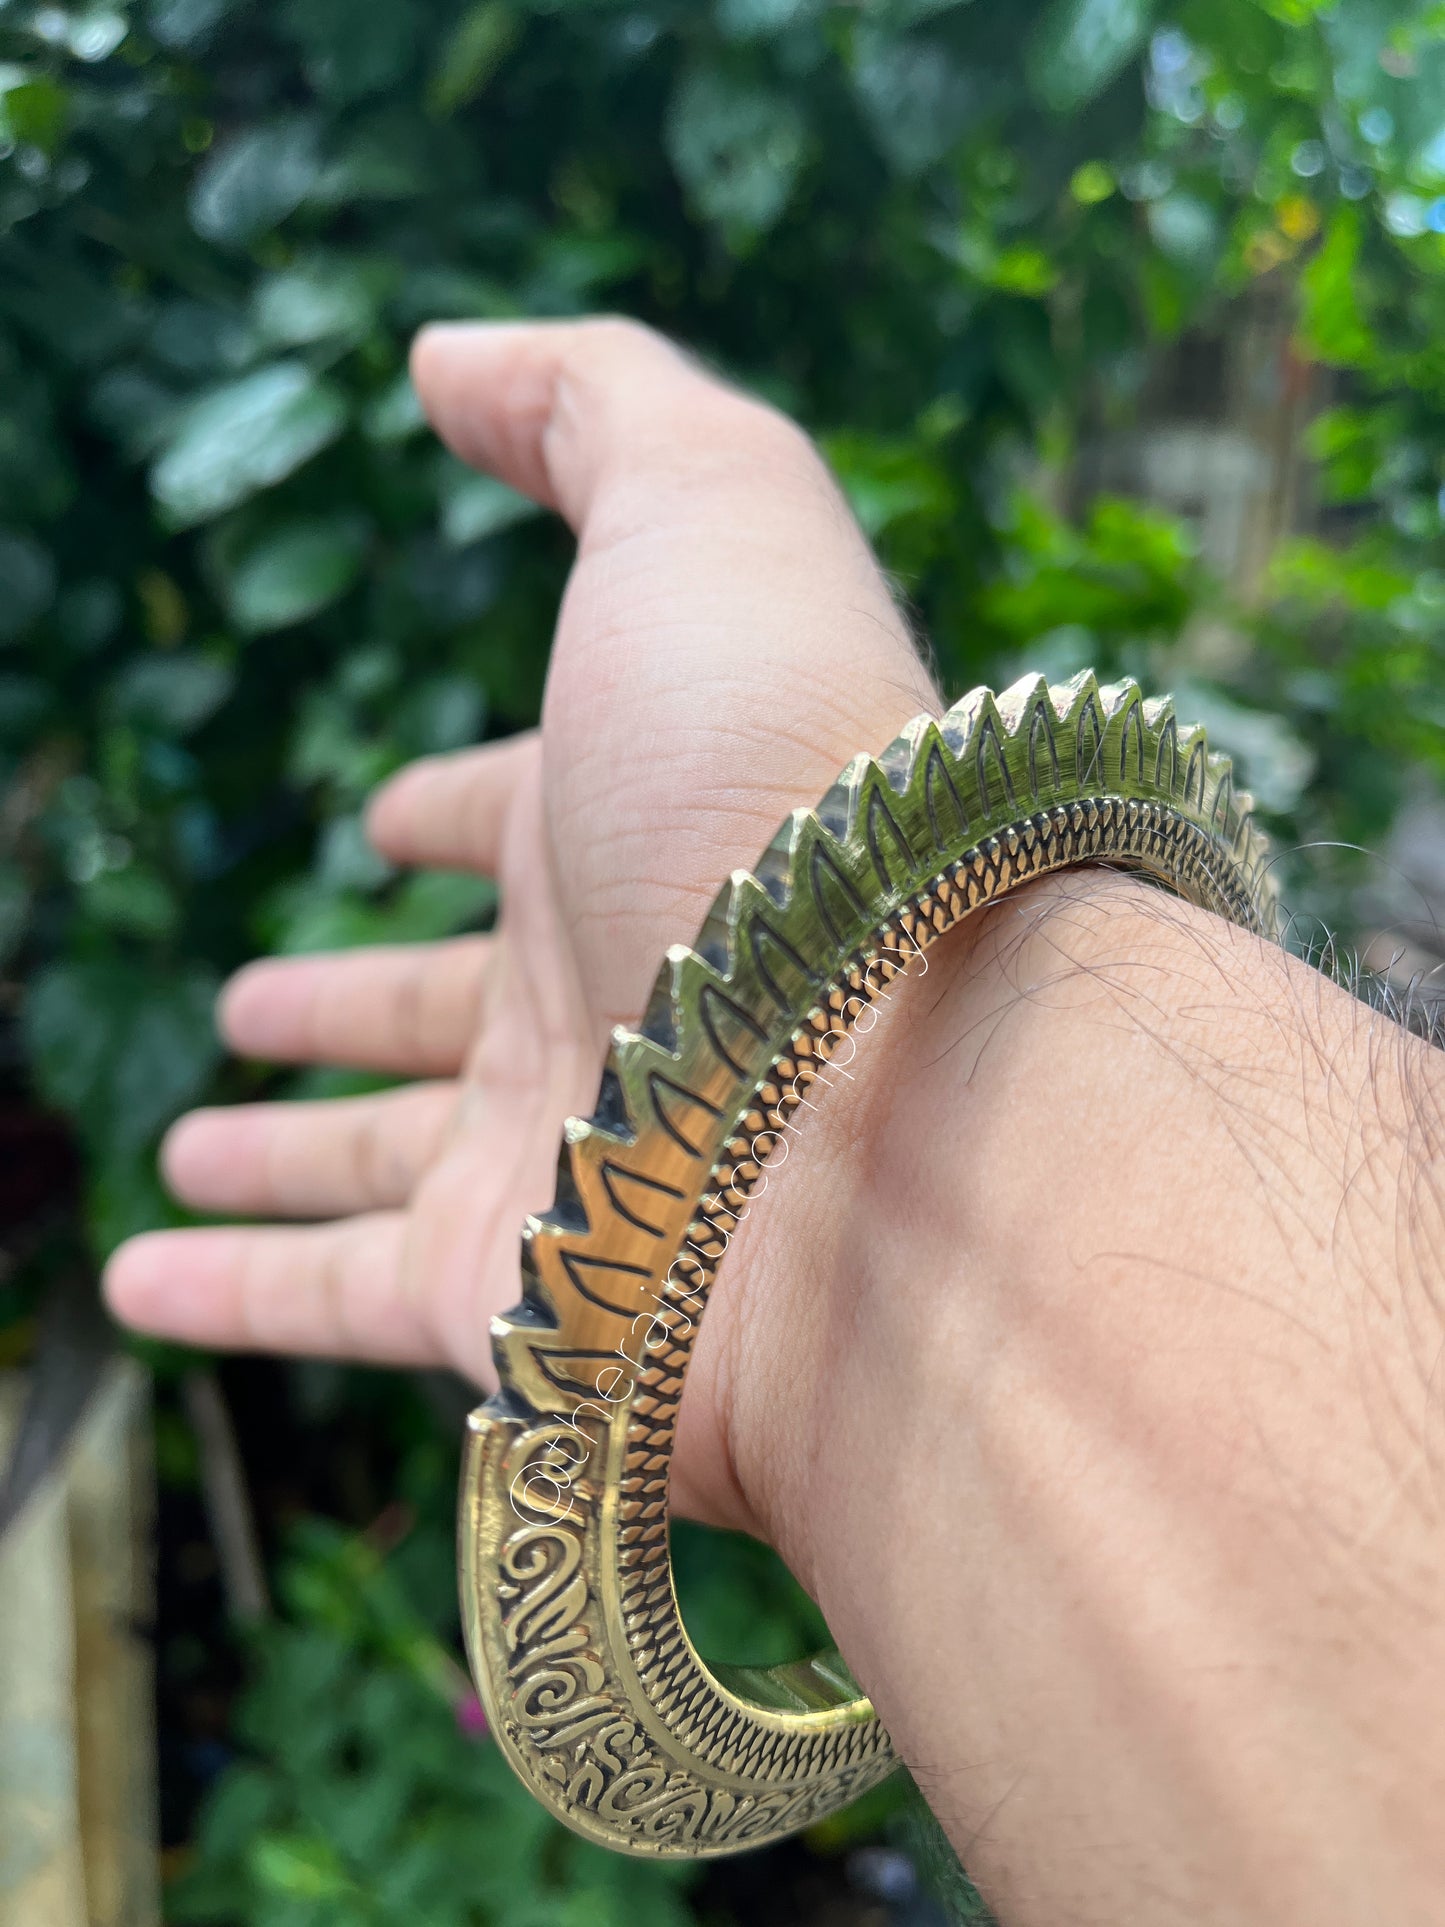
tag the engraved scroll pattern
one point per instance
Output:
(564, 1712)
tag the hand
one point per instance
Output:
(1090, 1381)
(725, 644)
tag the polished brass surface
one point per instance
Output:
(592, 1687)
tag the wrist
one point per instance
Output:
(878, 1218)
(1048, 1384)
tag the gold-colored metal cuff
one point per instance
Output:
(593, 1689)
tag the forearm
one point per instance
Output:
(1106, 1350)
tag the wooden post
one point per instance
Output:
(78, 1832)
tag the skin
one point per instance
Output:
(1085, 1363)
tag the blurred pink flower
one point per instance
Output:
(471, 1720)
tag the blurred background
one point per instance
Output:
(1122, 324)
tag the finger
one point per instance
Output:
(308, 1160)
(410, 1009)
(727, 639)
(333, 1291)
(448, 812)
(550, 406)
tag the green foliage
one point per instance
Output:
(364, 1800)
(121, 1049)
(1125, 574)
(239, 583)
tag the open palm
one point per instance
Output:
(726, 642)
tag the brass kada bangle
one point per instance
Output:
(592, 1687)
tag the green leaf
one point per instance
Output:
(1332, 319)
(475, 505)
(135, 901)
(443, 713)
(95, 33)
(479, 43)
(35, 112)
(1091, 182)
(354, 47)
(395, 414)
(1081, 45)
(762, 19)
(1185, 228)
(185, 23)
(321, 300)
(300, 1866)
(27, 581)
(572, 267)
(244, 437)
(738, 150)
(1357, 449)
(437, 903)
(120, 1048)
(919, 103)
(1023, 270)
(124, 1195)
(237, 1811)
(296, 570)
(887, 482)
(174, 692)
(254, 180)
